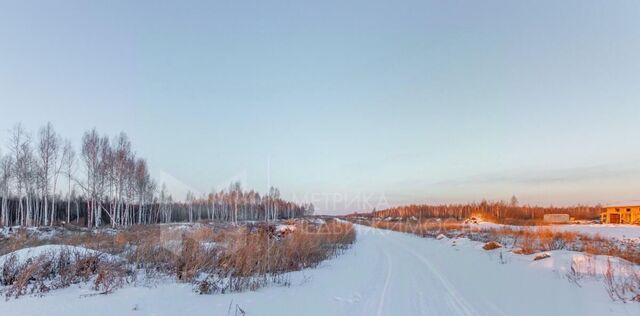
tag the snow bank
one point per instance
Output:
(23, 255)
(566, 262)
(605, 230)
(41, 233)
(318, 221)
(285, 228)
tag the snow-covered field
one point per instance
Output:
(385, 273)
(617, 231)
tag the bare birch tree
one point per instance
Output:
(47, 153)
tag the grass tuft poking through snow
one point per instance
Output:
(491, 245)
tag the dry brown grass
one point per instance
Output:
(21, 238)
(259, 252)
(217, 258)
(537, 240)
(34, 273)
(491, 245)
(622, 284)
(193, 259)
(110, 276)
(251, 257)
(58, 270)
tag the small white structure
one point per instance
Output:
(556, 218)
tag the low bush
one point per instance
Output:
(622, 283)
(491, 245)
(59, 269)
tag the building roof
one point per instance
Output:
(633, 203)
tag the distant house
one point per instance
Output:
(556, 218)
(621, 214)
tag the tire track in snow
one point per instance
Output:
(373, 291)
(459, 303)
(387, 281)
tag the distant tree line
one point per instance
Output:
(43, 181)
(500, 210)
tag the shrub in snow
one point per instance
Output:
(193, 260)
(491, 245)
(110, 276)
(622, 281)
(220, 260)
(40, 269)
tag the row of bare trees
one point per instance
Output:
(500, 210)
(229, 205)
(43, 181)
(235, 204)
(30, 174)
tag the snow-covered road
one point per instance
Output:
(385, 273)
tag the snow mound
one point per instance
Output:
(565, 261)
(26, 254)
(285, 228)
(541, 256)
(318, 221)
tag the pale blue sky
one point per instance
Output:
(358, 103)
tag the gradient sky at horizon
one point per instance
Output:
(348, 104)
